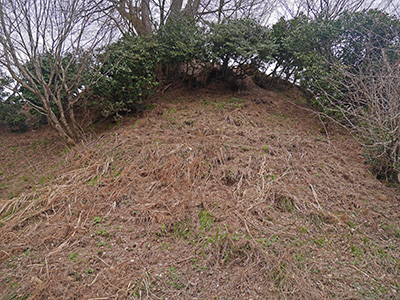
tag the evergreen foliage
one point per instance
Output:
(11, 114)
(128, 76)
(181, 41)
(237, 42)
(11, 108)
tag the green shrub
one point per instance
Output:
(11, 114)
(304, 51)
(11, 108)
(239, 42)
(362, 36)
(181, 41)
(128, 76)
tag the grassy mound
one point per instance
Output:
(209, 195)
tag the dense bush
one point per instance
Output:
(11, 115)
(362, 36)
(282, 34)
(65, 72)
(181, 42)
(304, 51)
(128, 76)
(238, 42)
(136, 65)
(10, 108)
(309, 51)
(351, 64)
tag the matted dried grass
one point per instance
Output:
(210, 195)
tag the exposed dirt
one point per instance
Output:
(211, 194)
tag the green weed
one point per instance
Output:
(286, 204)
(97, 220)
(182, 229)
(102, 232)
(206, 220)
(72, 257)
(93, 181)
(175, 280)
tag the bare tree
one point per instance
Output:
(46, 47)
(145, 16)
(221, 10)
(368, 100)
(331, 9)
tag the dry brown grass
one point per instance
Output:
(210, 195)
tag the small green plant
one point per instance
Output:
(93, 181)
(286, 204)
(198, 266)
(14, 148)
(271, 177)
(163, 229)
(102, 244)
(9, 213)
(206, 220)
(236, 237)
(182, 229)
(175, 279)
(351, 224)
(29, 252)
(320, 242)
(89, 271)
(97, 220)
(165, 245)
(356, 251)
(72, 257)
(42, 180)
(102, 232)
(300, 257)
(265, 242)
(12, 262)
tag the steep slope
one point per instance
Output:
(209, 195)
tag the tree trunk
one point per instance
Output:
(192, 7)
(147, 29)
(176, 7)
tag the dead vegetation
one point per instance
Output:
(28, 160)
(209, 195)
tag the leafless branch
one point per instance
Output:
(46, 46)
